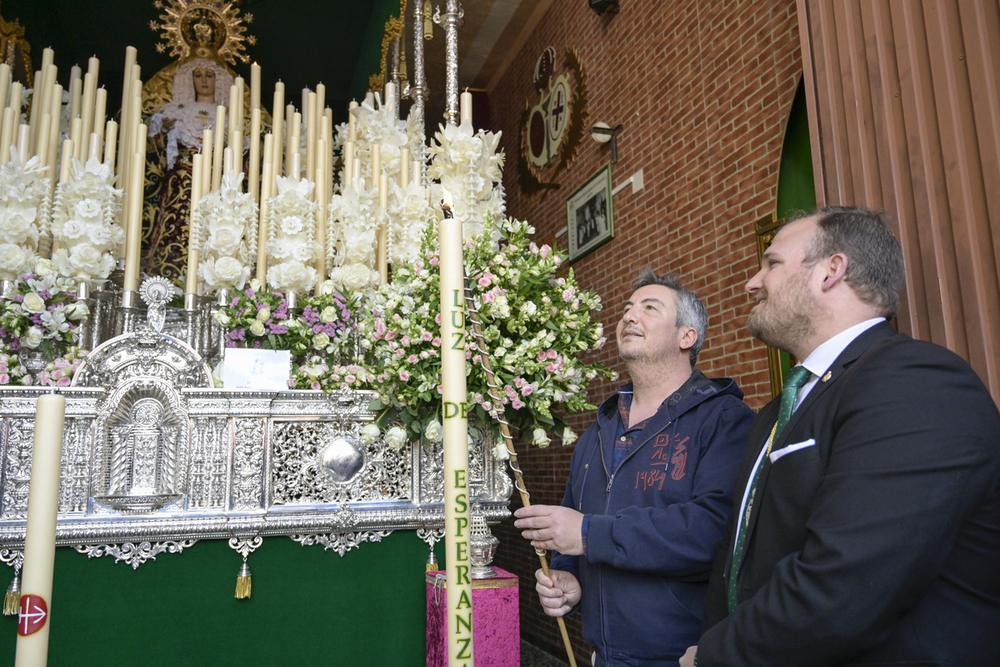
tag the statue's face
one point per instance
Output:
(204, 83)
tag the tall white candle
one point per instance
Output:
(87, 107)
(40, 535)
(4, 84)
(382, 248)
(404, 167)
(253, 177)
(456, 439)
(110, 142)
(7, 130)
(270, 150)
(220, 142)
(352, 122)
(277, 118)
(100, 111)
(289, 132)
(311, 128)
(254, 87)
(465, 108)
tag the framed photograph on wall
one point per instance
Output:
(589, 217)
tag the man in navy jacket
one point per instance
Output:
(649, 491)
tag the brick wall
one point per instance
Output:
(703, 88)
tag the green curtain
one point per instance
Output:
(309, 606)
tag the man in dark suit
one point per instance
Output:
(868, 522)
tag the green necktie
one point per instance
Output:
(797, 377)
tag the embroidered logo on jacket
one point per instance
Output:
(669, 456)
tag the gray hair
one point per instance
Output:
(691, 311)
(875, 260)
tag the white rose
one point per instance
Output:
(43, 267)
(225, 241)
(434, 432)
(328, 315)
(257, 328)
(568, 436)
(320, 341)
(85, 258)
(370, 433)
(220, 318)
(225, 272)
(33, 338)
(540, 437)
(500, 452)
(78, 311)
(33, 303)
(12, 260)
(256, 285)
(264, 314)
(395, 437)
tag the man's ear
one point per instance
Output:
(835, 268)
(688, 338)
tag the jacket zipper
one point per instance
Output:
(607, 504)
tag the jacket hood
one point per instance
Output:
(696, 390)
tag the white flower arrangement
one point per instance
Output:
(351, 242)
(24, 206)
(468, 164)
(85, 224)
(410, 211)
(291, 241)
(226, 231)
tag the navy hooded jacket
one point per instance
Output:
(654, 521)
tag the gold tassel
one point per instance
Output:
(243, 582)
(12, 600)
(432, 564)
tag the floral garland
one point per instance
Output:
(24, 204)
(41, 312)
(85, 222)
(537, 323)
(291, 242)
(259, 318)
(223, 218)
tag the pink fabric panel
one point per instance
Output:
(496, 624)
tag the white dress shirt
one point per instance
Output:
(817, 363)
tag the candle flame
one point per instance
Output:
(446, 202)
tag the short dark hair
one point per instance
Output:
(875, 260)
(691, 311)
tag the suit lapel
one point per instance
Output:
(858, 346)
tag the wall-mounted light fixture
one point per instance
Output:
(603, 133)
(605, 6)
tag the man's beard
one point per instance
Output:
(785, 320)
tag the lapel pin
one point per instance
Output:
(827, 376)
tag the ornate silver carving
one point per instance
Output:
(245, 545)
(154, 459)
(135, 554)
(341, 542)
(12, 557)
(449, 21)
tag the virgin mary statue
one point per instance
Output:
(180, 101)
(175, 133)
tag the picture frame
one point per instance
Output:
(590, 215)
